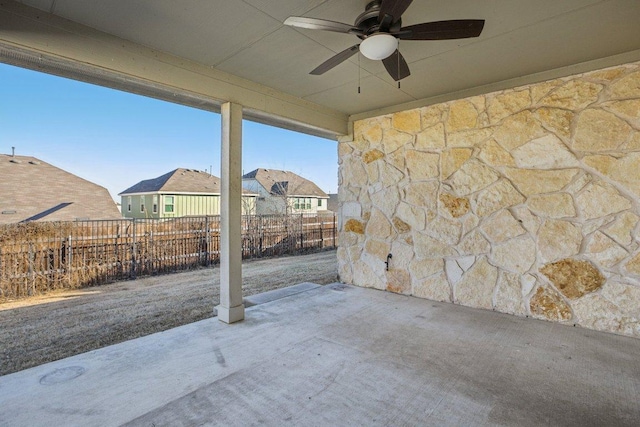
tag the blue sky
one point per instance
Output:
(116, 139)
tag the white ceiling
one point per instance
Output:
(246, 38)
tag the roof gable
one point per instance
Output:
(279, 182)
(32, 190)
(179, 180)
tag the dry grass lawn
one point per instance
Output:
(42, 329)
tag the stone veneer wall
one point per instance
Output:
(523, 201)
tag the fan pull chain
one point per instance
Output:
(398, 50)
(358, 71)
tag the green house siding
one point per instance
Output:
(191, 205)
(177, 205)
(140, 206)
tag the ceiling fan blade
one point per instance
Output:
(335, 60)
(321, 24)
(393, 8)
(396, 66)
(442, 30)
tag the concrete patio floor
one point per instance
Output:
(340, 355)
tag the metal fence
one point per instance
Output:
(38, 257)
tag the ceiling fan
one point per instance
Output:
(380, 27)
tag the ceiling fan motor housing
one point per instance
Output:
(367, 21)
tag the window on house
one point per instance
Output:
(302, 203)
(168, 204)
(155, 204)
(142, 204)
(128, 204)
(319, 203)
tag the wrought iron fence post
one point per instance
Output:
(31, 272)
(207, 243)
(132, 274)
(69, 255)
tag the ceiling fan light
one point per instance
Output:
(378, 46)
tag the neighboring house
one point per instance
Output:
(33, 190)
(284, 192)
(181, 192)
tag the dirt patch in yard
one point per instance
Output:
(42, 329)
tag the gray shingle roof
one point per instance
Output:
(33, 190)
(184, 181)
(279, 182)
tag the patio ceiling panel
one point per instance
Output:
(374, 93)
(172, 27)
(275, 61)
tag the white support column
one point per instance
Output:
(231, 308)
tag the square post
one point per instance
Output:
(231, 308)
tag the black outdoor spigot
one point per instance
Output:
(387, 261)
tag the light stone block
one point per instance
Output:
(422, 194)
(453, 270)
(444, 230)
(626, 87)
(434, 288)
(599, 199)
(517, 130)
(426, 247)
(595, 312)
(556, 120)
(529, 221)
(351, 209)
(452, 160)
(422, 166)
(557, 205)
(431, 138)
(412, 215)
(558, 239)
(474, 243)
(494, 155)
(508, 103)
(421, 268)
(528, 282)
(502, 226)
(402, 255)
(393, 140)
(532, 181)
(386, 200)
(432, 115)
(622, 229)
(546, 152)
(462, 115)
(499, 196)
(599, 130)
(604, 250)
(516, 255)
(574, 95)
(407, 121)
(475, 289)
(471, 177)
(466, 262)
(623, 169)
(469, 138)
(378, 226)
(508, 297)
